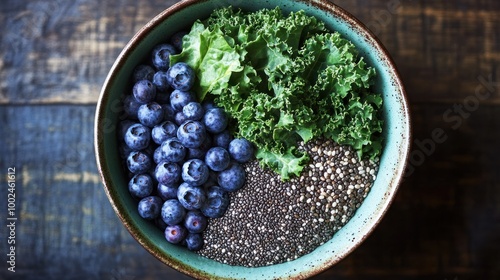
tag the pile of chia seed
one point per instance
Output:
(270, 221)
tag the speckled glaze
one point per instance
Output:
(392, 162)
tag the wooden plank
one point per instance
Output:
(61, 52)
(443, 224)
(440, 47)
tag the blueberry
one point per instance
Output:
(140, 186)
(123, 126)
(173, 150)
(181, 76)
(192, 134)
(161, 56)
(158, 156)
(131, 106)
(216, 203)
(175, 234)
(176, 40)
(180, 118)
(193, 111)
(217, 159)
(144, 91)
(191, 197)
(138, 162)
(167, 192)
(179, 99)
(164, 131)
(168, 173)
(169, 113)
(160, 81)
(215, 120)
(172, 212)
(143, 72)
(150, 114)
(222, 139)
(200, 152)
(194, 241)
(195, 153)
(233, 178)
(241, 150)
(137, 137)
(195, 172)
(195, 221)
(149, 207)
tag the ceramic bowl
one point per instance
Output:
(392, 163)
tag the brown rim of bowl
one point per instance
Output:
(323, 5)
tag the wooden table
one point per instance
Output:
(444, 223)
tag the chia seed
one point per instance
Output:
(270, 221)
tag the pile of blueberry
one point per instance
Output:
(181, 157)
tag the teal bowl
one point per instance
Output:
(392, 162)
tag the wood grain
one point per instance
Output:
(61, 52)
(443, 224)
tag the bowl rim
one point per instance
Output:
(332, 10)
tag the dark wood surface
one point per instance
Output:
(443, 224)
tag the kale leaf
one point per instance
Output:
(285, 79)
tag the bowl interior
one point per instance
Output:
(392, 162)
